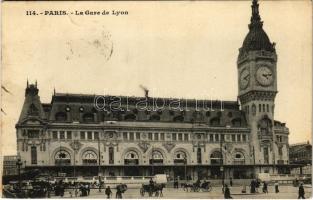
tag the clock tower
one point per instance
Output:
(257, 86)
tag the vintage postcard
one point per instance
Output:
(159, 99)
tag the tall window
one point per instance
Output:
(156, 136)
(137, 136)
(162, 136)
(216, 137)
(54, 134)
(211, 137)
(186, 137)
(33, 154)
(199, 155)
(174, 136)
(244, 138)
(125, 135)
(62, 135)
(111, 155)
(150, 136)
(82, 135)
(180, 136)
(89, 135)
(131, 136)
(266, 156)
(233, 138)
(280, 151)
(96, 135)
(69, 135)
(260, 108)
(238, 138)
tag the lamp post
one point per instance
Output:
(99, 165)
(185, 162)
(19, 164)
(222, 163)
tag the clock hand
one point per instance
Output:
(265, 75)
(246, 77)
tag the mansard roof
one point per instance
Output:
(68, 108)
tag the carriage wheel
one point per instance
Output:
(142, 192)
(209, 188)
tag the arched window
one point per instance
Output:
(216, 158)
(60, 116)
(33, 152)
(180, 157)
(88, 117)
(215, 121)
(131, 158)
(62, 157)
(156, 157)
(89, 158)
(239, 158)
(130, 117)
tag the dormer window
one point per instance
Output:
(60, 116)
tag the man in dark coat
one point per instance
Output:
(227, 192)
(108, 192)
(301, 192)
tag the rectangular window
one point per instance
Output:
(137, 136)
(96, 135)
(150, 136)
(174, 136)
(131, 136)
(280, 151)
(89, 135)
(244, 138)
(223, 137)
(62, 135)
(162, 136)
(33, 152)
(186, 137)
(180, 137)
(69, 135)
(156, 136)
(233, 138)
(33, 133)
(125, 135)
(54, 134)
(238, 138)
(82, 135)
(216, 138)
(211, 138)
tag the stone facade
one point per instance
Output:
(79, 135)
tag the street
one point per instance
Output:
(286, 192)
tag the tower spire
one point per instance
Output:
(255, 17)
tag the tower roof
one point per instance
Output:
(256, 39)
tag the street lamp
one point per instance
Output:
(185, 162)
(19, 164)
(222, 163)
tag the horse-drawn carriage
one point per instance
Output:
(196, 187)
(155, 189)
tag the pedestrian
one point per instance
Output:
(301, 192)
(231, 182)
(118, 192)
(252, 186)
(227, 192)
(265, 187)
(108, 192)
(276, 187)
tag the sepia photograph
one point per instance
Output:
(156, 99)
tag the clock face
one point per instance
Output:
(264, 76)
(244, 78)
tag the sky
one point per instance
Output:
(176, 49)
